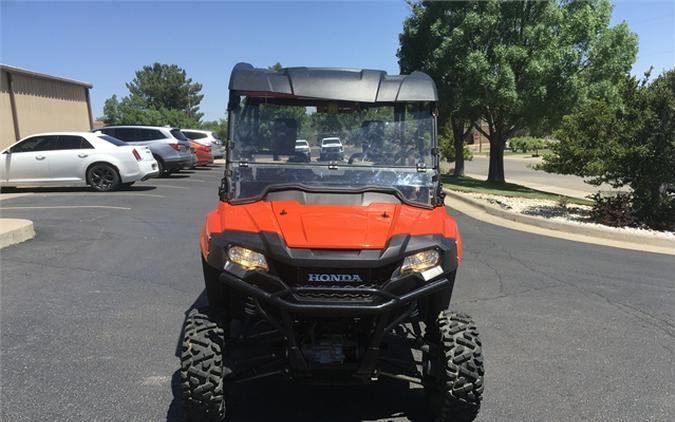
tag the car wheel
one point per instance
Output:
(453, 379)
(204, 374)
(103, 177)
(160, 167)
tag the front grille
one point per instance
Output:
(370, 278)
(337, 296)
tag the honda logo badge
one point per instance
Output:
(333, 277)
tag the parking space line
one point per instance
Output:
(66, 207)
(47, 194)
(173, 187)
(13, 195)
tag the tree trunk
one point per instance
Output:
(496, 171)
(458, 140)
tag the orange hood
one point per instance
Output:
(333, 226)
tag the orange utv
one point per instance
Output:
(324, 270)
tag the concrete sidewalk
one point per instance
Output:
(15, 230)
(518, 169)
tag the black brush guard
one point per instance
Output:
(388, 305)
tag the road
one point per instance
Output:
(518, 169)
(92, 309)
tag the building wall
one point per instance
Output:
(42, 105)
(7, 134)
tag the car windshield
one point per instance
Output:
(352, 146)
(178, 135)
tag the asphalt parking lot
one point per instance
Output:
(92, 310)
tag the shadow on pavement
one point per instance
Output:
(181, 175)
(276, 399)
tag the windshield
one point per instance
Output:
(178, 135)
(112, 140)
(351, 146)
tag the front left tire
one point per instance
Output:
(203, 372)
(103, 177)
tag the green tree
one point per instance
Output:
(448, 149)
(276, 67)
(629, 143)
(423, 47)
(520, 64)
(218, 126)
(167, 86)
(159, 95)
(134, 110)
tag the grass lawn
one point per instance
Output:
(468, 184)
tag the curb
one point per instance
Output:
(15, 230)
(564, 227)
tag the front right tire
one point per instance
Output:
(203, 372)
(453, 382)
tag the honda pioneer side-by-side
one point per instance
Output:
(319, 267)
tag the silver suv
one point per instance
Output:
(169, 146)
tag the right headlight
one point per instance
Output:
(420, 261)
(246, 258)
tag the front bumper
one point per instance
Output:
(395, 293)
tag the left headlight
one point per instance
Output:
(420, 261)
(251, 260)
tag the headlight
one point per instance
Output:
(247, 258)
(420, 261)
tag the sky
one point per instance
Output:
(104, 43)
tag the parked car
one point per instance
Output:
(202, 152)
(331, 150)
(208, 138)
(76, 158)
(169, 146)
(302, 151)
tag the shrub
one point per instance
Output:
(447, 148)
(631, 143)
(615, 211)
(527, 143)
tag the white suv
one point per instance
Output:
(207, 138)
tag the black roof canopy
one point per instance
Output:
(360, 85)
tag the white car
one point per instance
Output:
(331, 150)
(75, 158)
(301, 145)
(207, 138)
(303, 151)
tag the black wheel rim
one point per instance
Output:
(102, 177)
